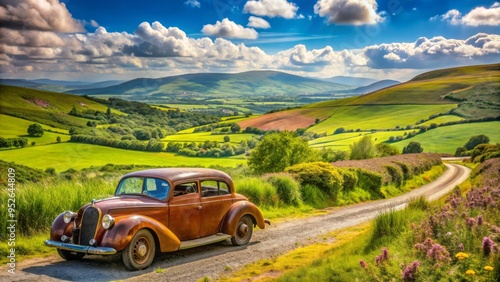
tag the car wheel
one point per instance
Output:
(140, 253)
(244, 231)
(69, 255)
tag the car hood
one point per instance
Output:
(128, 202)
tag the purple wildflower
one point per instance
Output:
(479, 220)
(488, 246)
(496, 229)
(363, 264)
(382, 257)
(438, 253)
(471, 222)
(410, 272)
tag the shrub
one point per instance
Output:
(396, 174)
(258, 191)
(369, 180)
(476, 140)
(320, 174)
(288, 189)
(314, 196)
(412, 148)
(350, 179)
(363, 149)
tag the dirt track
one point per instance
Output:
(210, 261)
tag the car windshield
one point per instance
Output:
(153, 187)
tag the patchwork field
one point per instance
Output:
(204, 136)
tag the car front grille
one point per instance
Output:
(88, 227)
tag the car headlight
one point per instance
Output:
(107, 221)
(69, 216)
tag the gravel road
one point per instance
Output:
(210, 261)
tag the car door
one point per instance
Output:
(215, 201)
(185, 211)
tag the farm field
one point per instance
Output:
(13, 127)
(366, 117)
(447, 139)
(76, 155)
(204, 136)
(444, 139)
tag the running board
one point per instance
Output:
(219, 237)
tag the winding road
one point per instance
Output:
(212, 260)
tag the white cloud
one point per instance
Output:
(94, 23)
(257, 22)
(434, 52)
(229, 29)
(193, 3)
(271, 8)
(43, 15)
(355, 12)
(479, 16)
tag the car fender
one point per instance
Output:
(236, 211)
(125, 227)
(59, 228)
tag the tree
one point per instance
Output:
(35, 130)
(58, 139)
(413, 148)
(476, 140)
(279, 150)
(363, 149)
(385, 150)
(108, 113)
(339, 130)
(235, 128)
(227, 138)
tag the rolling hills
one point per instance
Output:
(255, 83)
(466, 92)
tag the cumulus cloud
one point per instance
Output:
(193, 3)
(355, 12)
(479, 16)
(434, 52)
(271, 8)
(257, 22)
(229, 29)
(43, 15)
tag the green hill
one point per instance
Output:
(45, 107)
(260, 83)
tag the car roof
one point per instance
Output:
(180, 173)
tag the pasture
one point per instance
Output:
(77, 155)
(13, 127)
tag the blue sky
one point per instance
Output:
(109, 39)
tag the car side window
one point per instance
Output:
(157, 188)
(185, 189)
(210, 188)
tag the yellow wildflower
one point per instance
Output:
(470, 272)
(461, 255)
(488, 268)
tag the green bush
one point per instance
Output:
(350, 179)
(369, 180)
(320, 174)
(258, 191)
(314, 196)
(288, 189)
(396, 174)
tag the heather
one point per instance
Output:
(454, 239)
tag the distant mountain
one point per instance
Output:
(351, 81)
(374, 86)
(57, 85)
(257, 83)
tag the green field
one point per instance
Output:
(13, 127)
(207, 136)
(76, 155)
(447, 139)
(342, 141)
(369, 117)
(442, 119)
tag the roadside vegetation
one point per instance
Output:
(454, 239)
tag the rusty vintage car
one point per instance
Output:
(157, 210)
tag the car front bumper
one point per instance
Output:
(91, 250)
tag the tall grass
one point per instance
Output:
(258, 191)
(37, 204)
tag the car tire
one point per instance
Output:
(69, 255)
(244, 231)
(140, 253)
